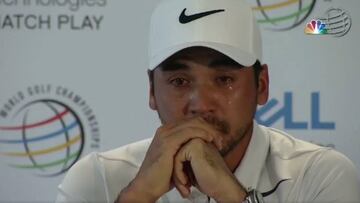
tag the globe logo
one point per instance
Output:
(282, 14)
(46, 136)
(337, 22)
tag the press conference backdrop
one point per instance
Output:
(73, 80)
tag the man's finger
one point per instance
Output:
(179, 173)
(183, 190)
(184, 135)
(180, 178)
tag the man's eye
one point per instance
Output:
(179, 82)
(225, 80)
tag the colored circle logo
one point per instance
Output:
(282, 14)
(46, 136)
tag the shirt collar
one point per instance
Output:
(249, 170)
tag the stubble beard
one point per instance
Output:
(236, 139)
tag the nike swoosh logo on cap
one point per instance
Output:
(183, 18)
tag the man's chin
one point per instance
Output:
(236, 140)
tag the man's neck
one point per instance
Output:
(235, 156)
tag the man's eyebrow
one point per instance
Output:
(225, 63)
(173, 66)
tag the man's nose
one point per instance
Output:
(202, 101)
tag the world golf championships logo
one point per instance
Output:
(51, 151)
(282, 14)
(44, 129)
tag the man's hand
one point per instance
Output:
(200, 164)
(155, 175)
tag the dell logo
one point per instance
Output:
(287, 113)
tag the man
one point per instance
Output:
(206, 81)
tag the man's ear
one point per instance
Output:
(263, 86)
(152, 101)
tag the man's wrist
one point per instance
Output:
(235, 194)
(254, 196)
(134, 193)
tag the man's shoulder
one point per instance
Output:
(285, 146)
(133, 153)
(98, 176)
(288, 152)
(315, 172)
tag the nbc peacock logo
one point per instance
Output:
(282, 14)
(315, 27)
(43, 136)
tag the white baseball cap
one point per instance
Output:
(227, 26)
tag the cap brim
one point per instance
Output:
(237, 55)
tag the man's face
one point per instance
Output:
(203, 82)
